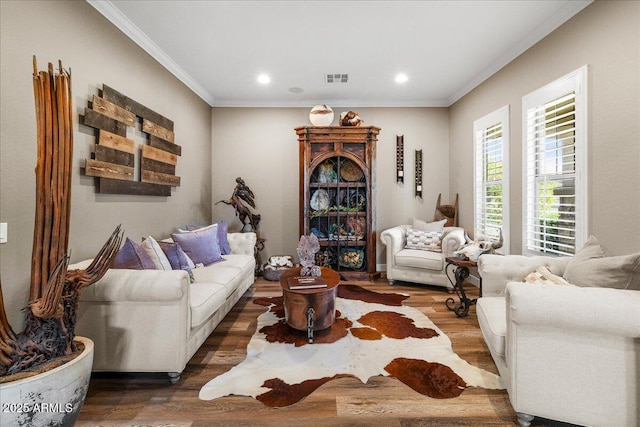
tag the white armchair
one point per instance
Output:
(417, 266)
(565, 353)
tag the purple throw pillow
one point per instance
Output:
(223, 230)
(133, 257)
(200, 245)
(176, 256)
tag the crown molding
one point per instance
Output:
(308, 103)
(570, 9)
(124, 24)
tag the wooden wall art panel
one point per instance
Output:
(113, 160)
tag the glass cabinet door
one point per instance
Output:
(337, 213)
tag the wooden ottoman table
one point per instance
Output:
(310, 305)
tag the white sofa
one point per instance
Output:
(155, 320)
(566, 353)
(418, 266)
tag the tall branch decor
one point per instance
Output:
(52, 308)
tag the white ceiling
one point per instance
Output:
(446, 48)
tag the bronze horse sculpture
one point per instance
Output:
(242, 201)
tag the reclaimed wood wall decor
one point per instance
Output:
(113, 161)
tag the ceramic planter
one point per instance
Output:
(52, 398)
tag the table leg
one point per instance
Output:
(462, 308)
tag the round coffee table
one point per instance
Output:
(311, 309)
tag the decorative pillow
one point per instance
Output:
(158, 257)
(200, 245)
(592, 267)
(223, 230)
(132, 256)
(176, 256)
(428, 226)
(424, 240)
(542, 276)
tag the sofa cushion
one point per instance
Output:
(241, 261)
(592, 267)
(200, 245)
(204, 300)
(419, 259)
(132, 256)
(492, 317)
(222, 274)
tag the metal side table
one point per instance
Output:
(461, 273)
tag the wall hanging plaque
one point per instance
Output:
(113, 161)
(400, 158)
(418, 183)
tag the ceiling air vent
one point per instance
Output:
(337, 78)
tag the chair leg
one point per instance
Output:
(174, 377)
(524, 419)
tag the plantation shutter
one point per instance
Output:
(550, 174)
(489, 177)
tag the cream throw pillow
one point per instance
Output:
(429, 226)
(155, 252)
(592, 267)
(542, 276)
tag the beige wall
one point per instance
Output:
(260, 145)
(97, 53)
(606, 37)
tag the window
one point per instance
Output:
(491, 176)
(555, 175)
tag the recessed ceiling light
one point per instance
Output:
(401, 78)
(296, 89)
(263, 79)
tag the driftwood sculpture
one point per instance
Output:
(243, 203)
(54, 291)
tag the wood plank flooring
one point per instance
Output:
(150, 399)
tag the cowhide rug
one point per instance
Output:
(374, 334)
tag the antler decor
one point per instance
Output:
(54, 291)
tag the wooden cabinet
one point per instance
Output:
(337, 196)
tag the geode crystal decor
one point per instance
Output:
(306, 250)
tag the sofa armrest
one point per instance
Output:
(612, 312)
(395, 239)
(452, 240)
(497, 270)
(572, 353)
(242, 243)
(139, 285)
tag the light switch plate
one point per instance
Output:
(3, 232)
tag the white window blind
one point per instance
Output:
(491, 193)
(554, 168)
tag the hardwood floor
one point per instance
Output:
(150, 399)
